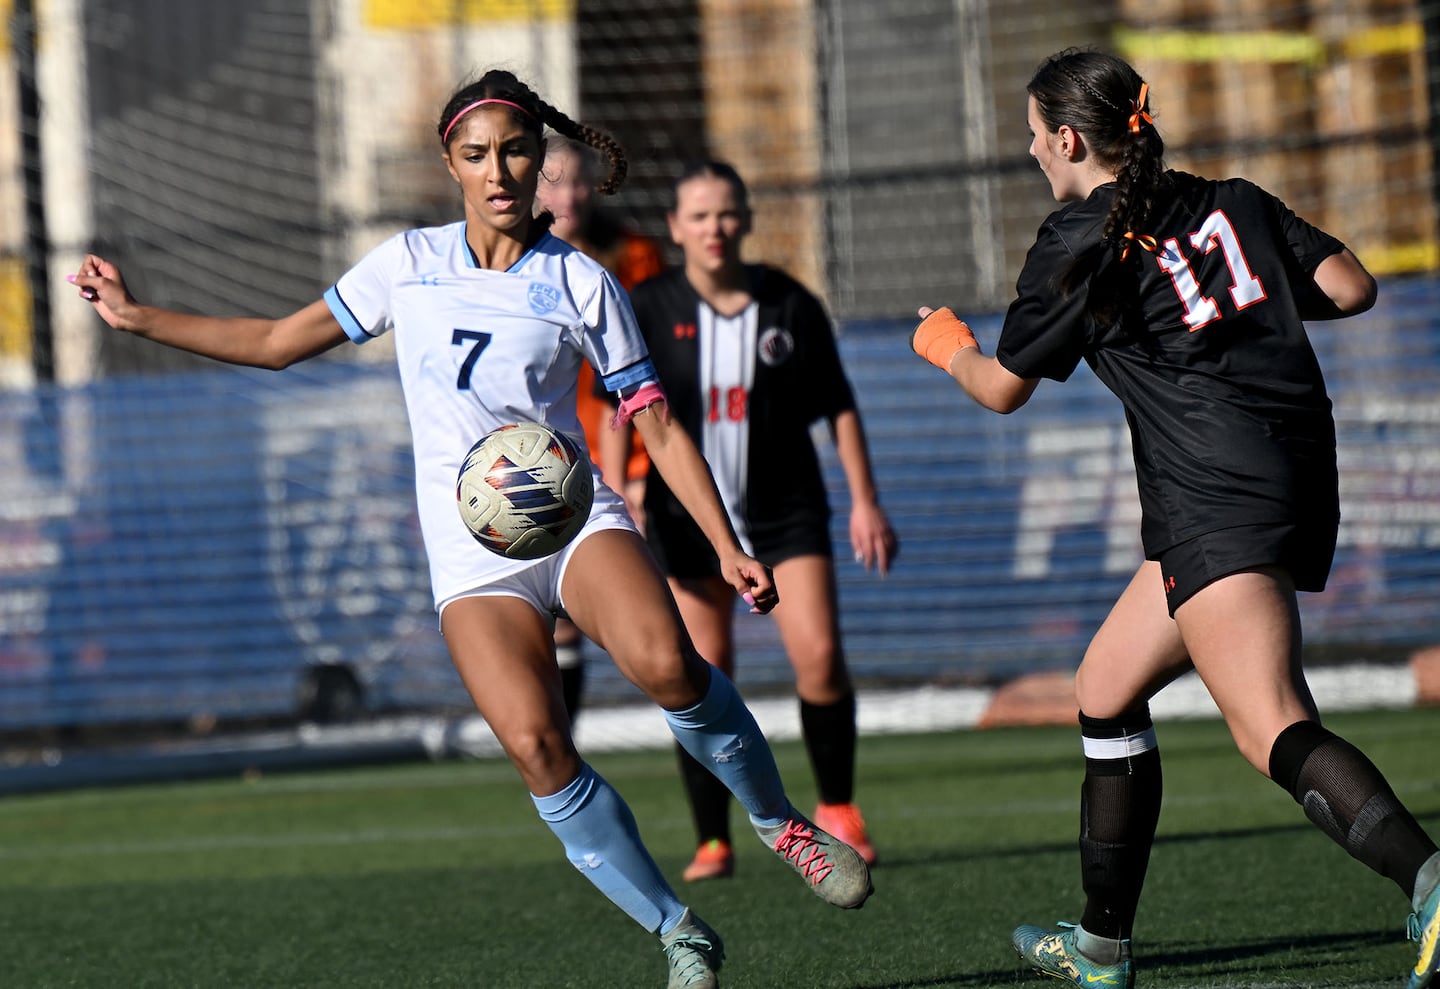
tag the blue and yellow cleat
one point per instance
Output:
(1425, 928)
(1054, 953)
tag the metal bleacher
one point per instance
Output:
(193, 547)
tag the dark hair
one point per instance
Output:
(1100, 96)
(535, 113)
(709, 168)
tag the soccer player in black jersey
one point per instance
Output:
(749, 363)
(1186, 297)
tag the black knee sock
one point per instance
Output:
(1119, 810)
(709, 799)
(829, 731)
(1349, 799)
(572, 683)
(571, 659)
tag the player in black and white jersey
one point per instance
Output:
(492, 316)
(749, 362)
(1186, 297)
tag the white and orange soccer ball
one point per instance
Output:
(525, 490)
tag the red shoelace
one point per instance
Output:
(797, 845)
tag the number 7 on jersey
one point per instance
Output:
(459, 339)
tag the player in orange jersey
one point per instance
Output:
(567, 192)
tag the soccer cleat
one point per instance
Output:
(844, 822)
(695, 954)
(713, 860)
(835, 872)
(1425, 928)
(1054, 953)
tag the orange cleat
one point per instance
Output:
(713, 860)
(844, 822)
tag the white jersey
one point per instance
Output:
(478, 349)
(727, 367)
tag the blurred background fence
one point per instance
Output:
(193, 545)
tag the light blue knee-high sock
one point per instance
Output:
(601, 840)
(721, 733)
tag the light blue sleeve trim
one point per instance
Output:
(634, 376)
(344, 316)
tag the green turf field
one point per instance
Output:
(441, 875)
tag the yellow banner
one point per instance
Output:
(15, 312)
(1267, 46)
(413, 14)
(1399, 259)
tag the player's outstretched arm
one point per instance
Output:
(944, 340)
(266, 343)
(689, 477)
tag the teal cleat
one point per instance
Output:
(695, 954)
(1054, 953)
(1425, 928)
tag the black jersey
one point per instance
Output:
(792, 378)
(1229, 419)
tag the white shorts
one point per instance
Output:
(540, 584)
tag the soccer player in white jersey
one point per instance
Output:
(492, 316)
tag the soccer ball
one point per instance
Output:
(525, 490)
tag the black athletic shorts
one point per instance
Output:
(1304, 551)
(683, 551)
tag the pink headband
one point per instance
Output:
(445, 138)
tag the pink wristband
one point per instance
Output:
(645, 396)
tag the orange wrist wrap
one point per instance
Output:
(940, 336)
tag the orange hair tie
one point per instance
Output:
(1139, 112)
(1144, 241)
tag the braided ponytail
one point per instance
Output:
(1105, 99)
(587, 135)
(533, 113)
(1140, 182)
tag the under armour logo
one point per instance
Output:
(730, 752)
(1169, 584)
(429, 279)
(590, 861)
(684, 331)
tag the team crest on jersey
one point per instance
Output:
(775, 346)
(544, 299)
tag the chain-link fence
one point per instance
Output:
(238, 155)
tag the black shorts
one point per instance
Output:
(1305, 552)
(683, 552)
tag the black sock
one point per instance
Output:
(570, 657)
(829, 731)
(572, 682)
(1349, 799)
(1119, 810)
(709, 799)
